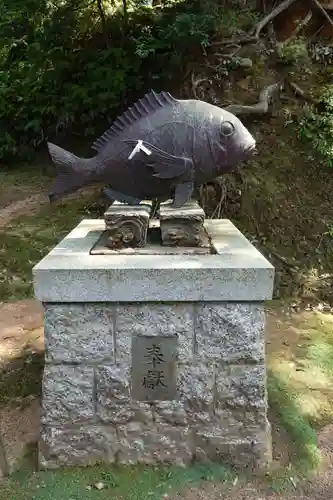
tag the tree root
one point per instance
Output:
(269, 97)
(293, 266)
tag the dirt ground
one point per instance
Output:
(30, 205)
(20, 196)
(321, 487)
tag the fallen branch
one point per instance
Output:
(259, 27)
(293, 266)
(323, 11)
(316, 33)
(298, 91)
(269, 95)
(272, 15)
(239, 63)
(233, 42)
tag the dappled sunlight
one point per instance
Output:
(314, 322)
(300, 375)
(281, 201)
(312, 389)
(326, 318)
(283, 401)
(16, 343)
(282, 354)
(307, 376)
(8, 352)
(322, 355)
(316, 406)
(304, 364)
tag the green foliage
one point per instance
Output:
(51, 78)
(294, 51)
(232, 18)
(69, 67)
(187, 28)
(316, 125)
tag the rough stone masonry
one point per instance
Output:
(89, 412)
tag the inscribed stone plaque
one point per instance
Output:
(154, 367)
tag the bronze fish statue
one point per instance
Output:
(160, 148)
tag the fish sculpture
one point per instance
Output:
(160, 148)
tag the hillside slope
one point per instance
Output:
(282, 199)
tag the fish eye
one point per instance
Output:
(227, 128)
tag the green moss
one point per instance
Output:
(283, 401)
(300, 383)
(128, 483)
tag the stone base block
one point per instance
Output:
(156, 443)
(183, 226)
(127, 225)
(90, 412)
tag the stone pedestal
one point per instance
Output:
(206, 313)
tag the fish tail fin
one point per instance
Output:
(70, 172)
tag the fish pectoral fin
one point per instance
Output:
(182, 194)
(164, 165)
(167, 170)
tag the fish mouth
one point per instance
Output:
(250, 152)
(251, 149)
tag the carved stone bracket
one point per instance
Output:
(127, 225)
(183, 226)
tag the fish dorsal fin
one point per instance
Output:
(148, 104)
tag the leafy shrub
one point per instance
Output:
(56, 72)
(65, 68)
(316, 125)
(294, 51)
(187, 29)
